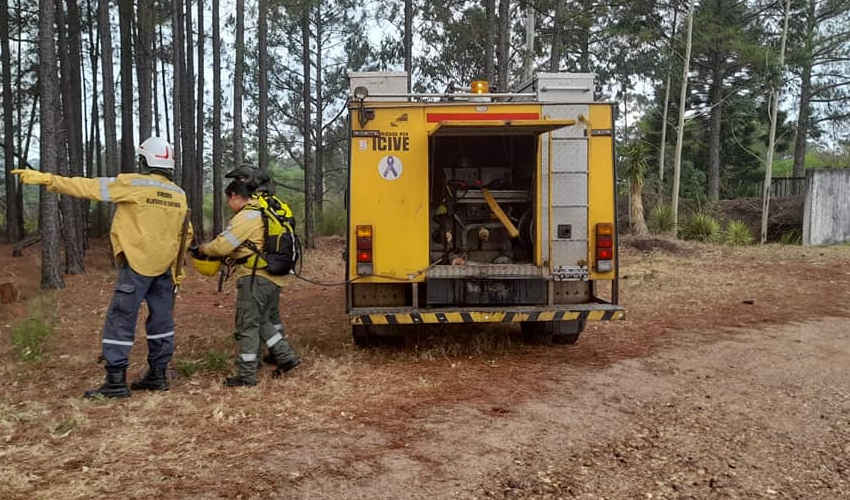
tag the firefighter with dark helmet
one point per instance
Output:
(149, 227)
(258, 290)
(263, 191)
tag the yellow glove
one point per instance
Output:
(29, 176)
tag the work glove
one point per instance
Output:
(29, 176)
(177, 279)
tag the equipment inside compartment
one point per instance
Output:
(465, 228)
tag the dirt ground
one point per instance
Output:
(728, 379)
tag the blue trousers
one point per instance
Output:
(120, 328)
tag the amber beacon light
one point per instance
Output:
(480, 87)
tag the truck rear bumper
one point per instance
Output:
(410, 316)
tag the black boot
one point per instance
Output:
(237, 382)
(155, 379)
(115, 385)
(285, 367)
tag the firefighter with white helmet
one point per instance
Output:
(148, 230)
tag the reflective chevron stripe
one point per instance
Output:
(411, 318)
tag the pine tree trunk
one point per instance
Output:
(680, 132)
(144, 65)
(528, 58)
(155, 86)
(69, 207)
(187, 115)
(128, 147)
(263, 84)
(18, 199)
(76, 144)
(218, 215)
(238, 72)
(555, 53)
(13, 235)
(51, 275)
(490, 42)
(775, 92)
(716, 95)
(661, 152)
(803, 117)
(109, 126)
(309, 202)
(504, 44)
(164, 92)
(93, 162)
(319, 175)
(198, 189)
(408, 42)
(178, 61)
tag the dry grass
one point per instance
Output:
(338, 408)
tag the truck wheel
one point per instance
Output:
(361, 336)
(567, 332)
(536, 332)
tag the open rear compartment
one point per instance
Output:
(483, 252)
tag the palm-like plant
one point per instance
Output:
(636, 166)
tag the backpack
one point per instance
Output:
(281, 247)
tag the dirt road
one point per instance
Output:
(747, 413)
(729, 379)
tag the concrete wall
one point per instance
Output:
(826, 218)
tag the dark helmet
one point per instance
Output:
(254, 178)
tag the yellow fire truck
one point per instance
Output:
(472, 206)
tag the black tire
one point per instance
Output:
(361, 336)
(552, 332)
(567, 332)
(536, 332)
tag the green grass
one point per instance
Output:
(30, 334)
(28, 338)
(212, 361)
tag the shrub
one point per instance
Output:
(701, 227)
(661, 219)
(792, 237)
(737, 234)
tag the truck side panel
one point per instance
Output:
(600, 180)
(568, 184)
(391, 197)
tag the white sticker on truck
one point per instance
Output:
(390, 167)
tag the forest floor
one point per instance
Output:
(727, 379)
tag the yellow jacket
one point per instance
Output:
(246, 224)
(149, 215)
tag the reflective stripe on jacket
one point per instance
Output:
(246, 224)
(149, 215)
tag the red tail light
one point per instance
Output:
(604, 247)
(363, 234)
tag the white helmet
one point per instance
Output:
(157, 153)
